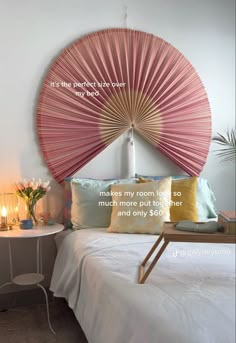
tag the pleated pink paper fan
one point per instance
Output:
(159, 94)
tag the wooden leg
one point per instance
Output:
(155, 245)
(141, 272)
(143, 276)
(152, 250)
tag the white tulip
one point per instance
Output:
(45, 184)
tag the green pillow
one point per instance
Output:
(205, 200)
(209, 227)
(87, 195)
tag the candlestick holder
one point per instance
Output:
(5, 228)
(9, 214)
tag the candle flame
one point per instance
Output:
(4, 211)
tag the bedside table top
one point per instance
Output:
(37, 231)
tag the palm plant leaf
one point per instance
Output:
(228, 144)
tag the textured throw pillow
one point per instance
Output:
(67, 203)
(91, 202)
(205, 196)
(184, 192)
(183, 196)
(205, 200)
(140, 208)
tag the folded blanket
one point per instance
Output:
(209, 227)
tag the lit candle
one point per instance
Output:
(4, 217)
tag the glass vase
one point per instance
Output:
(31, 211)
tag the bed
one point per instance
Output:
(189, 297)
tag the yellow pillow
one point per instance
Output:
(184, 191)
(184, 199)
(140, 208)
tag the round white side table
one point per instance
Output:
(30, 278)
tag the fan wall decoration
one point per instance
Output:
(113, 80)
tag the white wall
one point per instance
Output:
(33, 33)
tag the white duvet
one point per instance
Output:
(188, 298)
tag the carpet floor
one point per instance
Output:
(29, 324)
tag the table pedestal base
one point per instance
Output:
(30, 279)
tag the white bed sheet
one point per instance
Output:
(188, 298)
(59, 237)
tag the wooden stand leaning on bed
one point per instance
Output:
(170, 234)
